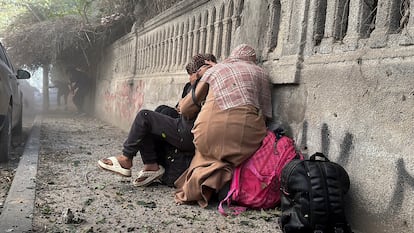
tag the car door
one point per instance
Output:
(17, 97)
(6, 87)
(14, 88)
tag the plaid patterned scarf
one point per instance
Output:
(238, 81)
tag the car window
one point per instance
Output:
(3, 57)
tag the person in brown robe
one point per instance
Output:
(236, 102)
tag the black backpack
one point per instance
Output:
(312, 196)
(175, 163)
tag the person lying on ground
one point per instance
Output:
(146, 130)
(236, 102)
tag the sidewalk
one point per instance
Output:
(74, 195)
(18, 207)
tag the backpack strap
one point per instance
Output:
(319, 229)
(233, 190)
(226, 199)
(338, 230)
(318, 154)
(342, 228)
(279, 132)
(193, 95)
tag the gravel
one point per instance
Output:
(74, 195)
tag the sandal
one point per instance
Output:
(150, 177)
(115, 167)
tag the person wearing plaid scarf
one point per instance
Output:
(236, 103)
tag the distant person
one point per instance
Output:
(80, 85)
(63, 90)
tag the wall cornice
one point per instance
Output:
(170, 14)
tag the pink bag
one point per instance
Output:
(256, 182)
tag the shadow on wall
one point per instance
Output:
(390, 219)
(346, 145)
(373, 222)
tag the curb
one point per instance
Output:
(17, 214)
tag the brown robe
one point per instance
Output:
(223, 139)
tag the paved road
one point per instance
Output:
(74, 195)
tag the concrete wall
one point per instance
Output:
(342, 73)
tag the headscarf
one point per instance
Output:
(243, 52)
(238, 81)
(198, 61)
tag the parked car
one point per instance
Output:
(11, 104)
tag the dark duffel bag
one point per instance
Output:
(313, 195)
(175, 163)
(167, 110)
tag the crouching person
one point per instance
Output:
(230, 126)
(147, 130)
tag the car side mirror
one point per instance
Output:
(23, 74)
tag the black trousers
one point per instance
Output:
(79, 99)
(149, 128)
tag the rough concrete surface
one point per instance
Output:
(74, 195)
(18, 208)
(8, 170)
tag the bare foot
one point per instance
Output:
(123, 160)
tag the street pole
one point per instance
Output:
(46, 69)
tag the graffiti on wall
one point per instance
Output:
(391, 219)
(126, 100)
(345, 147)
(404, 181)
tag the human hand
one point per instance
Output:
(193, 78)
(208, 64)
